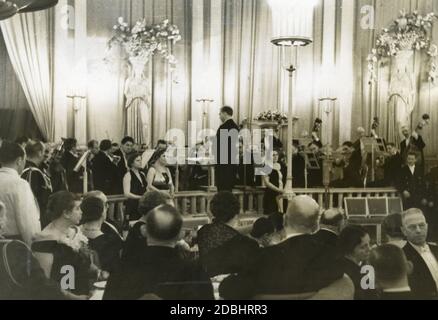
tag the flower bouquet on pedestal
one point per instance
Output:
(270, 119)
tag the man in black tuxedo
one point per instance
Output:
(69, 161)
(227, 151)
(38, 180)
(105, 172)
(159, 269)
(424, 256)
(413, 143)
(299, 264)
(332, 221)
(391, 269)
(411, 184)
(126, 148)
(298, 166)
(392, 166)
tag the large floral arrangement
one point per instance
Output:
(411, 31)
(274, 116)
(142, 41)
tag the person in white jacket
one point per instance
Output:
(23, 215)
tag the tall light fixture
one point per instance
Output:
(292, 28)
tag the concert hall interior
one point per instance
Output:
(218, 149)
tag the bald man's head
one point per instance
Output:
(96, 194)
(163, 224)
(303, 215)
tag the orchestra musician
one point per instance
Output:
(351, 163)
(315, 174)
(69, 160)
(414, 142)
(411, 184)
(105, 169)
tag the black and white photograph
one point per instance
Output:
(219, 155)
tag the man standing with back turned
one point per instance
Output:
(227, 151)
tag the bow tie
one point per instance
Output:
(425, 249)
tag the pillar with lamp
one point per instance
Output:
(292, 28)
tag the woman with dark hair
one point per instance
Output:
(222, 249)
(274, 182)
(62, 250)
(108, 246)
(354, 245)
(134, 186)
(159, 177)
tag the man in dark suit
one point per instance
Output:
(298, 166)
(424, 256)
(159, 269)
(105, 173)
(227, 151)
(299, 264)
(315, 175)
(69, 161)
(413, 143)
(392, 166)
(39, 181)
(391, 269)
(332, 221)
(126, 148)
(412, 184)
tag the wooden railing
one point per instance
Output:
(196, 203)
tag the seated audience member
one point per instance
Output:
(107, 226)
(278, 221)
(62, 244)
(391, 229)
(107, 245)
(223, 249)
(158, 269)
(134, 186)
(23, 216)
(159, 177)
(391, 270)
(21, 276)
(332, 221)
(263, 231)
(424, 256)
(298, 265)
(39, 181)
(354, 246)
(136, 239)
(105, 171)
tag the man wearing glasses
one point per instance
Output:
(424, 256)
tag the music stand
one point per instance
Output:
(370, 145)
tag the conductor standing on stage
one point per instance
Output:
(227, 151)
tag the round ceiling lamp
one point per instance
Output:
(7, 9)
(38, 5)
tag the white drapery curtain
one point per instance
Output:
(28, 39)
